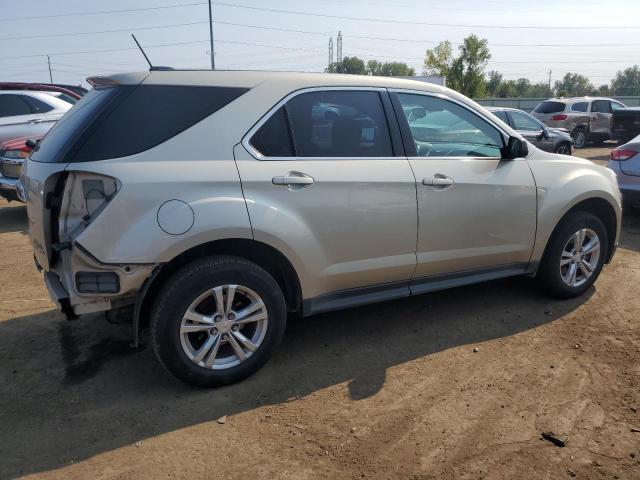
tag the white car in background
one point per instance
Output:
(27, 113)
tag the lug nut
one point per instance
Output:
(234, 328)
(213, 331)
(225, 336)
(217, 318)
(231, 316)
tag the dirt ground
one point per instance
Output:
(394, 390)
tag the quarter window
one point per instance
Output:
(273, 139)
(441, 128)
(580, 107)
(37, 105)
(524, 122)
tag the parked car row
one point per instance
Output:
(27, 112)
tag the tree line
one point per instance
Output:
(466, 72)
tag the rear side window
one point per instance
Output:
(339, 124)
(550, 107)
(273, 139)
(580, 107)
(523, 122)
(12, 105)
(600, 106)
(37, 105)
(124, 120)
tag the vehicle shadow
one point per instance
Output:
(72, 390)
(13, 218)
(630, 232)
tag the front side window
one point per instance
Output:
(600, 106)
(580, 107)
(12, 105)
(441, 128)
(332, 123)
(522, 121)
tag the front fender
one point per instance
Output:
(562, 184)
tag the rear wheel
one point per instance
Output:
(217, 321)
(579, 136)
(574, 256)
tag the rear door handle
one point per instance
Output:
(438, 181)
(35, 120)
(293, 179)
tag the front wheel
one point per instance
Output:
(574, 256)
(564, 149)
(217, 320)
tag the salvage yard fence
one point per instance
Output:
(528, 104)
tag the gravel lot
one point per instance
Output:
(393, 390)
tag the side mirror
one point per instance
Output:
(516, 148)
(544, 134)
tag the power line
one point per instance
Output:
(431, 24)
(102, 12)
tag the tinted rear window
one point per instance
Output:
(125, 120)
(550, 107)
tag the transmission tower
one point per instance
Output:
(330, 51)
(339, 48)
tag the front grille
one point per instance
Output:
(97, 282)
(10, 170)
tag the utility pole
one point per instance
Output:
(339, 52)
(549, 72)
(330, 52)
(213, 62)
(49, 63)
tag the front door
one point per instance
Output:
(476, 211)
(324, 185)
(531, 129)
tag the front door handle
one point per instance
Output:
(293, 178)
(35, 120)
(438, 181)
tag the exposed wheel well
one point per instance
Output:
(605, 212)
(272, 260)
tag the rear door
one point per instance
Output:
(327, 183)
(476, 211)
(600, 118)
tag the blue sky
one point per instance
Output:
(240, 44)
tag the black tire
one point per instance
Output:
(549, 275)
(184, 287)
(580, 137)
(563, 149)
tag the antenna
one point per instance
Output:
(145, 55)
(151, 67)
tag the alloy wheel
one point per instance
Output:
(579, 139)
(223, 327)
(580, 257)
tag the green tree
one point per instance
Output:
(627, 82)
(574, 85)
(351, 65)
(389, 69)
(464, 73)
(494, 80)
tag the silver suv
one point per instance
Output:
(587, 118)
(213, 204)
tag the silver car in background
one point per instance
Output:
(214, 203)
(588, 119)
(27, 113)
(625, 161)
(556, 140)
